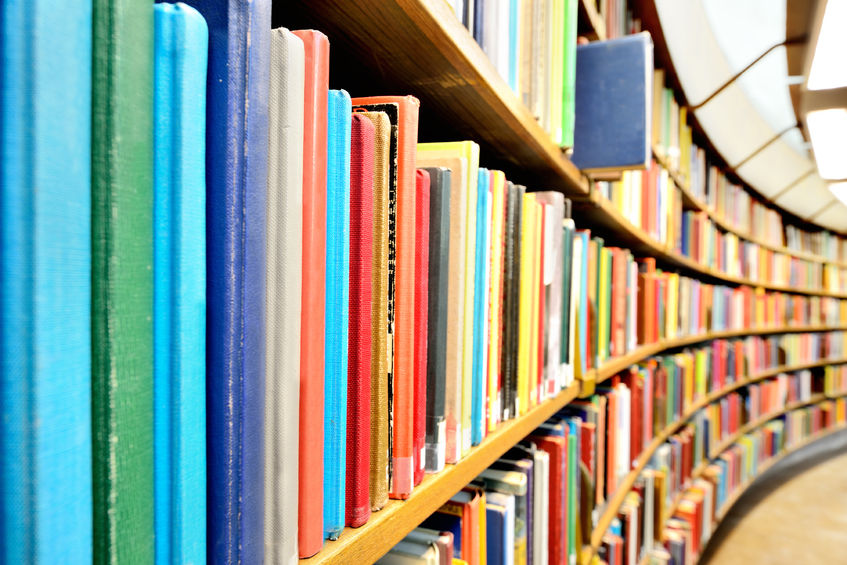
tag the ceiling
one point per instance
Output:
(752, 122)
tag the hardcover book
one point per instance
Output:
(122, 281)
(45, 274)
(179, 292)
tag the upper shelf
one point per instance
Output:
(419, 47)
(693, 202)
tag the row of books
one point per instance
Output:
(532, 44)
(650, 201)
(678, 502)
(835, 380)
(540, 501)
(728, 201)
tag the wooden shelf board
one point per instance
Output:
(625, 486)
(603, 212)
(399, 517)
(456, 82)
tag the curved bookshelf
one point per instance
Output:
(763, 468)
(389, 525)
(611, 218)
(456, 81)
(613, 504)
(726, 226)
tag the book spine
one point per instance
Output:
(122, 281)
(422, 268)
(336, 315)
(179, 310)
(45, 276)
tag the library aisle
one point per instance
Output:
(793, 514)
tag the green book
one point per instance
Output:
(122, 281)
(569, 79)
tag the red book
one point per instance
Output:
(611, 439)
(636, 387)
(421, 310)
(557, 448)
(362, 141)
(618, 336)
(310, 515)
(646, 299)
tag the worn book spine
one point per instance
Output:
(122, 281)
(179, 270)
(495, 310)
(45, 274)
(437, 285)
(358, 507)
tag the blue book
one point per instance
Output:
(613, 101)
(480, 298)
(337, 309)
(514, 39)
(45, 276)
(179, 283)
(444, 522)
(500, 528)
(236, 189)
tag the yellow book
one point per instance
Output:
(525, 306)
(534, 393)
(658, 104)
(495, 294)
(603, 306)
(462, 157)
(672, 307)
(483, 530)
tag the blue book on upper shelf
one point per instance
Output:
(614, 103)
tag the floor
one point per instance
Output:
(795, 514)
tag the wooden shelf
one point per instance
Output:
(610, 511)
(604, 213)
(592, 24)
(399, 517)
(419, 47)
(617, 364)
(737, 493)
(694, 202)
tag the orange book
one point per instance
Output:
(402, 280)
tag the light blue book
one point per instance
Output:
(45, 274)
(179, 288)
(500, 526)
(583, 300)
(514, 42)
(337, 310)
(480, 297)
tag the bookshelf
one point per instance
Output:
(695, 203)
(737, 494)
(455, 82)
(612, 506)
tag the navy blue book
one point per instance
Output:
(45, 276)
(236, 181)
(614, 103)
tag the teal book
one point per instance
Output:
(179, 283)
(45, 282)
(337, 311)
(480, 299)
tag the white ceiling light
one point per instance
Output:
(828, 132)
(828, 69)
(839, 190)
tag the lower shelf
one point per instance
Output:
(399, 517)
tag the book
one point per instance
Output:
(358, 445)
(478, 376)
(336, 320)
(554, 443)
(422, 189)
(500, 524)
(122, 281)
(402, 292)
(499, 190)
(45, 273)
(310, 472)
(570, 295)
(181, 41)
(527, 284)
(553, 283)
(612, 127)
(384, 140)
(463, 160)
(437, 326)
(284, 290)
(511, 299)
(569, 71)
